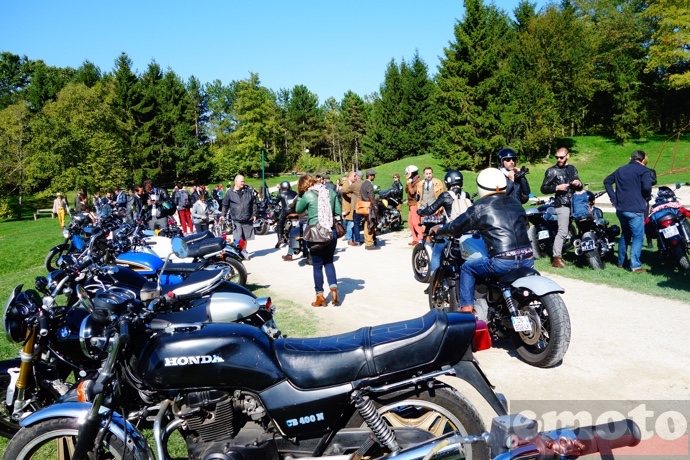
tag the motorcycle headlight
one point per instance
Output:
(19, 307)
(65, 233)
(92, 338)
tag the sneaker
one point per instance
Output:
(245, 254)
(372, 247)
(639, 270)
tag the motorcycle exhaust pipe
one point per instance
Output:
(576, 245)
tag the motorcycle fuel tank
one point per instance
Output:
(217, 355)
(142, 262)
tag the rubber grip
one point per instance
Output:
(612, 435)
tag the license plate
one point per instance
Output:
(543, 235)
(669, 232)
(521, 323)
(588, 245)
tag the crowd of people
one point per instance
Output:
(497, 215)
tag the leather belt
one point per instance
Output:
(523, 253)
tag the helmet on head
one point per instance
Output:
(285, 185)
(505, 154)
(411, 169)
(491, 181)
(453, 178)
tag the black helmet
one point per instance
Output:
(506, 153)
(285, 185)
(453, 179)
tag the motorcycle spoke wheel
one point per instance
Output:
(548, 340)
(420, 264)
(51, 261)
(443, 292)
(56, 439)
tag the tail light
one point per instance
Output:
(482, 338)
(666, 223)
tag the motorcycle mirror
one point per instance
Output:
(84, 299)
(179, 247)
(677, 185)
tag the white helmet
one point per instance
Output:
(491, 181)
(411, 169)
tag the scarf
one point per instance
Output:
(325, 213)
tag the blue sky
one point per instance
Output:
(330, 47)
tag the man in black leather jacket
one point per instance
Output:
(561, 179)
(453, 181)
(286, 197)
(502, 223)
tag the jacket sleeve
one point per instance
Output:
(335, 202)
(548, 187)
(647, 184)
(302, 203)
(433, 207)
(458, 226)
(608, 185)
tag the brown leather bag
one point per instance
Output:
(363, 207)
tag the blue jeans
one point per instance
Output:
(482, 267)
(632, 234)
(356, 235)
(349, 227)
(323, 259)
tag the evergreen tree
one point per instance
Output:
(88, 74)
(14, 76)
(148, 141)
(305, 123)
(355, 113)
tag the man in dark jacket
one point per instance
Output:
(502, 223)
(155, 197)
(561, 179)
(633, 191)
(286, 201)
(239, 204)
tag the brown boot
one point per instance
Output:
(320, 300)
(558, 262)
(335, 298)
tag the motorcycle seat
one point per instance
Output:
(202, 277)
(430, 342)
(205, 247)
(182, 267)
(292, 215)
(196, 237)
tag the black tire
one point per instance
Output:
(8, 427)
(420, 263)
(443, 292)
(262, 229)
(547, 342)
(438, 411)
(537, 251)
(53, 256)
(682, 256)
(238, 272)
(50, 438)
(594, 259)
(396, 225)
(570, 237)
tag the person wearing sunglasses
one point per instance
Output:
(561, 180)
(518, 187)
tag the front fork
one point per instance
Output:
(20, 380)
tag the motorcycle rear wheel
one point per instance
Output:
(437, 411)
(56, 438)
(262, 229)
(594, 260)
(443, 293)
(548, 341)
(420, 263)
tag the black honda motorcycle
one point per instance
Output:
(231, 392)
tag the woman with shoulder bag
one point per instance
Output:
(321, 205)
(200, 213)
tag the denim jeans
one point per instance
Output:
(632, 234)
(356, 235)
(485, 266)
(322, 259)
(349, 227)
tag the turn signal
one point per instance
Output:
(84, 391)
(482, 338)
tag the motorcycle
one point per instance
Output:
(289, 398)
(667, 224)
(76, 234)
(544, 227)
(293, 235)
(52, 350)
(595, 239)
(267, 216)
(389, 216)
(421, 253)
(522, 305)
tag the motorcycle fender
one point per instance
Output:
(540, 285)
(470, 372)
(118, 426)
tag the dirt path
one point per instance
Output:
(625, 346)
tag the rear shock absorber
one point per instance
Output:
(373, 419)
(508, 296)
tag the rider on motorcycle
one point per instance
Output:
(454, 201)
(286, 201)
(502, 223)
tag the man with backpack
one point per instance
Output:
(453, 201)
(184, 204)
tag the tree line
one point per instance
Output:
(610, 67)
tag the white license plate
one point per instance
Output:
(588, 245)
(669, 232)
(521, 323)
(543, 235)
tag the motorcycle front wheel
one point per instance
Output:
(56, 438)
(238, 272)
(438, 411)
(262, 229)
(51, 262)
(545, 344)
(420, 263)
(443, 292)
